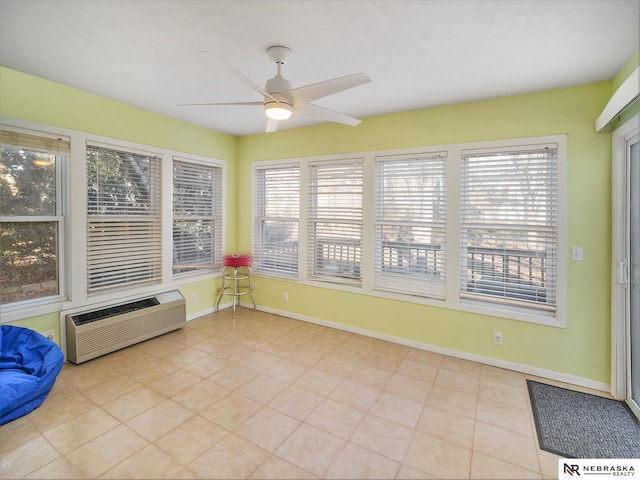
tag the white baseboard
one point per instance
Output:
(519, 367)
(494, 362)
(208, 311)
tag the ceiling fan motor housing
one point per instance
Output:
(278, 84)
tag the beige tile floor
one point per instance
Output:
(273, 397)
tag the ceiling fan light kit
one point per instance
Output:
(278, 111)
(280, 101)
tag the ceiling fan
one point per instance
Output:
(281, 101)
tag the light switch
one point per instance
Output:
(576, 253)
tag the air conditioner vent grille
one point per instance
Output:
(84, 318)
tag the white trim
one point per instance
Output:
(208, 311)
(168, 219)
(124, 146)
(494, 362)
(74, 198)
(62, 325)
(452, 299)
(166, 216)
(35, 132)
(45, 305)
(35, 218)
(619, 200)
(367, 269)
(624, 95)
(34, 308)
(202, 313)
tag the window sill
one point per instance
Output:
(196, 276)
(34, 308)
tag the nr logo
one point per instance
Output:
(572, 469)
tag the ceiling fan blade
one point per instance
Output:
(309, 93)
(311, 110)
(241, 76)
(229, 103)
(272, 125)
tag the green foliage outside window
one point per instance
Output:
(29, 229)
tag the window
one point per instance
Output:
(276, 218)
(471, 227)
(197, 215)
(31, 222)
(124, 235)
(509, 226)
(335, 221)
(410, 220)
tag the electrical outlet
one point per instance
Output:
(50, 334)
(194, 297)
(576, 253)
(285, 296)
(498, 338)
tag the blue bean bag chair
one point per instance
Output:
(29, 364)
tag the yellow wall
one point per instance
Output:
(42, 324)
(26, 97)
(31, 98)
(583, 348)
(625, 71)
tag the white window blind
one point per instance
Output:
(276, 219)
(197, 215)
(509, 233)
(124, 237)
(410, 218)
(335, 221)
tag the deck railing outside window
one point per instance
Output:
(512, 273)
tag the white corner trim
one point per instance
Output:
(494, 362)
(619, 349)
(624, 95)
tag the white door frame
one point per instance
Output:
(619, 299)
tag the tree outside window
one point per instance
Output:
(29, 221)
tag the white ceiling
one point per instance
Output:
(418, 53)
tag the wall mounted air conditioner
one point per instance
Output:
(94, 333)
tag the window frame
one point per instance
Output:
(73, 230)
(425, 274)
(217, 216)
(59, 216)
(260, 218)
(451, 296)
(513, 230)
(149, 271)
(347, 271)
